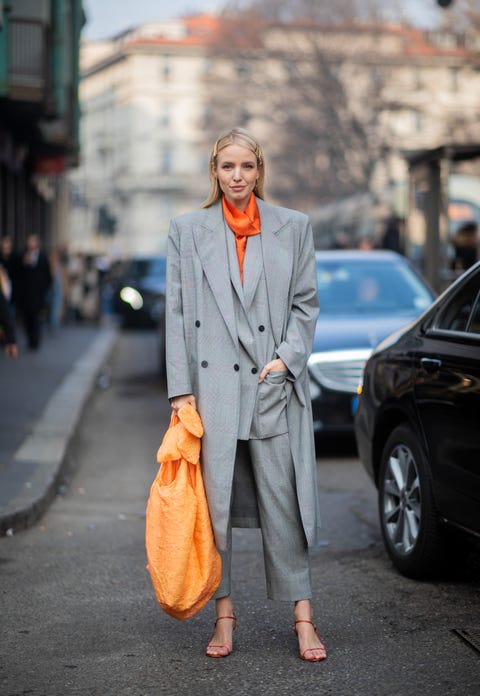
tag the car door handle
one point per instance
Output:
(431, 365)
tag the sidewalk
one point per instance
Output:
(42, 396)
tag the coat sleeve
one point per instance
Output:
(178, 369)
(296, 347)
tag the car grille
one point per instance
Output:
(339, 370)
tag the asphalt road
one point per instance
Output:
(78, 614)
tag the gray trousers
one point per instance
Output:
(285, 550)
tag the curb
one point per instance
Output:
(43, 455)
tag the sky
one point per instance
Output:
(105, 18)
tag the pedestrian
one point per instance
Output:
(34, 279)
(55, 295)
(392, 235)
(90, 306)
(7, 327)
(241, 308)
(465, 244)
(76, 284)
(9, 260)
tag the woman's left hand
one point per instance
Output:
(276, 365)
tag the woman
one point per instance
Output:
(241, 310)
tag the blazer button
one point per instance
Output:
(197, 323)
(236, 367)
(254, 370)
(261, 327)
(204, 363)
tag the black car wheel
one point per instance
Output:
(408, 517)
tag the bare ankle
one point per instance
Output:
(224, 607)
(302, 610)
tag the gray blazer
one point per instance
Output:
(202, 343)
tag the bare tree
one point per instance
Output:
(461, 15)
(277, 78)
(328, 116)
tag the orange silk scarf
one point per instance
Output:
(243, 225)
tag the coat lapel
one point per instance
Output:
(211, 247)
(233, 264)
(278, 264)
(252, 269)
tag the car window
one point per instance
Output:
(473, 325)
(462, 313)
(140, 268)
(362, 286)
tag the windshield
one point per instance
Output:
(346, 286)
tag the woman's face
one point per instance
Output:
(237, 173)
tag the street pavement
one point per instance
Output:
(79, 616)
(42, 396)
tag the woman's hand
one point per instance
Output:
(276, 365)
(178, 401)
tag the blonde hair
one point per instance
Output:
(236, 136)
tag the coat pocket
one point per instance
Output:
(271, 407)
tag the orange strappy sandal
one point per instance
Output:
(304, 654)
(226, 646)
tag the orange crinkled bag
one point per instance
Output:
(183, 562)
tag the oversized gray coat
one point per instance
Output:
(202, 344)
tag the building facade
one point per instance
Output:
(337, 107)
(144, 153)
(39, 115)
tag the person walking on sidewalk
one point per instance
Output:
(9, 260)
(34, 280)
(7, 326)
(241, 307)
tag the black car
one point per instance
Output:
(140, 291)
(417, 429)
(364, 296)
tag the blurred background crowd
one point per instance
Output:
(47, 290)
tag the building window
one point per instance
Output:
(166, 68)
(291, 70)
(376, 75)
(207, 67)
(418, 116)
(243, 70)
(208, 116)
(165, 117)
(417, 78)
(454, 79)
(166, 160)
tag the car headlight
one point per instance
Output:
(132, 297)
(339, 370)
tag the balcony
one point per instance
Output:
(27, 60)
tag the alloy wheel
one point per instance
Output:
(402, 500)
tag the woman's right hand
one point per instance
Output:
(178, 401)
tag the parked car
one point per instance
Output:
(139, 297)
(364, 296)
(418, 431)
